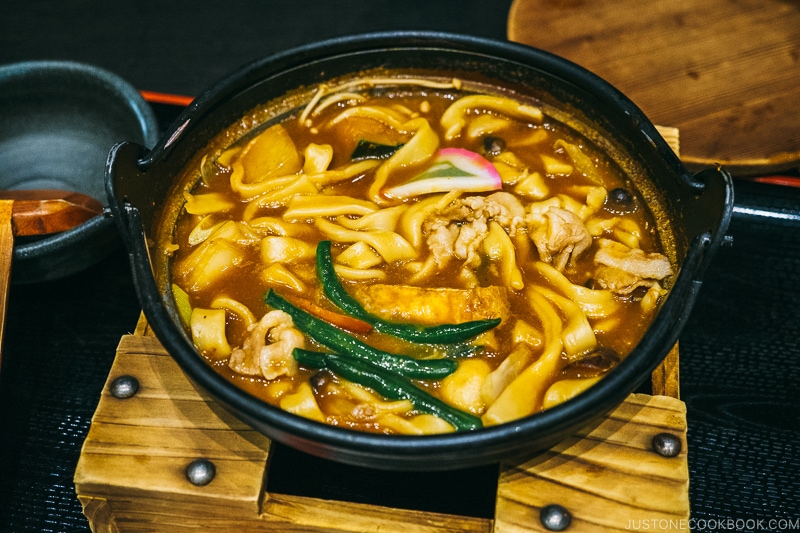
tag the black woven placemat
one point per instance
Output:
(60, 341)
(740, 376)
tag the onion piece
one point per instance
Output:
(453, 169)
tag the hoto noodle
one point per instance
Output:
(394, 215)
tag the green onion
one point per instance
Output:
(182, 304)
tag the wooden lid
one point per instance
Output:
(726, 73)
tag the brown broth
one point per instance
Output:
(244, 284)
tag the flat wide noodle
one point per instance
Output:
(445, 208)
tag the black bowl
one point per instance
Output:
(142, 188)
(58, 121)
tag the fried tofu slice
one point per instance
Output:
(430, 306)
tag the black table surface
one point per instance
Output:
(740, 352)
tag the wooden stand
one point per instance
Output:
(131, 473)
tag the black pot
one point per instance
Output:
(698, 208)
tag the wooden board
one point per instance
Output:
(130, 475)
(726, 73)
(608, 477)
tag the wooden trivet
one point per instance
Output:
(131, 475)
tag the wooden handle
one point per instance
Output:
(6, 253)
(41, 212)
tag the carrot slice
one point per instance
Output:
(332, 317)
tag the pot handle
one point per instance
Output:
(132, 196)
(129, 187)
(707, 213)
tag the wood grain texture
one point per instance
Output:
(724, 72)
(609, 479)
(46, 211)
(140, 446)
(665, 380)
(6, 256)
(130, 474)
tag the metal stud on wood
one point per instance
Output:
(124, 387)
(555, 517)
(200, 472)
(667, 445)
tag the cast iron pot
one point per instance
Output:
(140, 183)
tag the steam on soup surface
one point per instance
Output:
(409, 257)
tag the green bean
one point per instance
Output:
(310, 358)
(387, 384)
(441, 334)
(339, 341)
